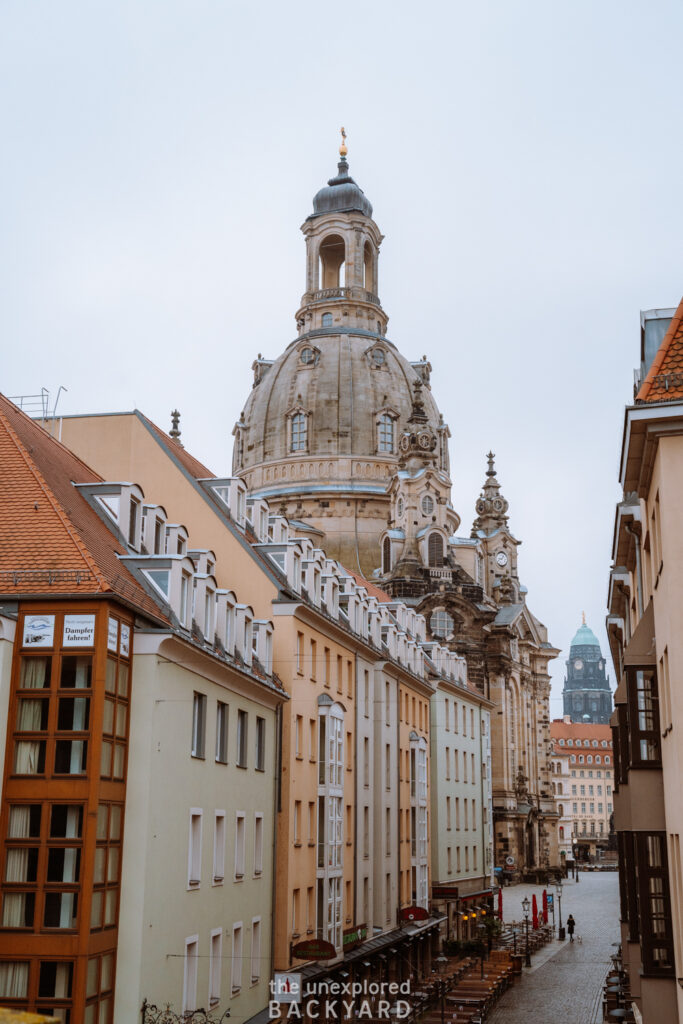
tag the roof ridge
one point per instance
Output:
(71, 531)
(55, 440)
(662, 352)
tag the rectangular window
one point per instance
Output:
(340, 669)
(326, 679)
(311, 823)
(190, 974)
(298, 727)
(221, 732)
(366, 831)
(215, 964)
(194, 857)
(258, 844)
(387, 766)
(240, 838)
(260, 744)
(236, 982)
(219, 847)
(300, 653)
(198, 724)
(184, 591)
(314, 659)
(312, 748)
(255, 950)
(297, 823)
(366, 695)
(366, 761)
(296, 910)
(448, 812)
(242, 729)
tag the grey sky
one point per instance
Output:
(523, 160)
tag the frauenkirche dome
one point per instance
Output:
(319, 432)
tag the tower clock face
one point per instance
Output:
(578, 664)
(501, 559)
(600, 665)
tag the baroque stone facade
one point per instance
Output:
(345, 433)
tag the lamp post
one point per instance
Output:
(525, 907)
(558, 891)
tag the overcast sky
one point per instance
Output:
(523, 160)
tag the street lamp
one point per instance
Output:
(558, 890)
(525, 907)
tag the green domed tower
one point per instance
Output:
(587, 694)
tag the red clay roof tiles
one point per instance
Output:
(47, 527)
(664, 380)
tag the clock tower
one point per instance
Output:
(587, 695)
(491, 529)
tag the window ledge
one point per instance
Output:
(238, 876)
(312, 843)
(218, 879)
(258, 872)
(296, 935)
(235, 990)
(194, 883)
(297, 845)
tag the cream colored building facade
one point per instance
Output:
(645, 604)
(584, 753)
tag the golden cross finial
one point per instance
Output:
(343, 149)
(583, 617)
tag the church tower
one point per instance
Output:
(318, 436)
(586, 695)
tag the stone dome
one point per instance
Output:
(342, 383)
(341, 194)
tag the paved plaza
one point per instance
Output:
(564, 984)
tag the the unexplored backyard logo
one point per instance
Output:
(291, 999)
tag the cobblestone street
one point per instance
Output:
(564, 984)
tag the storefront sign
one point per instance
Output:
(286, 987)
(353, 937)
(112, 635)
(125, 640)
(414, 914)
(79, 631)
(314, 949)
(39, 630)
(445, 892)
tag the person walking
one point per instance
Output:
(570, 927)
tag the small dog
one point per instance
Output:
(577, 938)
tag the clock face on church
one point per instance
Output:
(501, 558)
(578, 664)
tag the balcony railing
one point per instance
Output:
(354, 294)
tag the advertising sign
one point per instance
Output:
(39, 631)
(445, 892)
(79, 631)
(414, 914)
(286, 987)
(125, 640)
(353, 937)
(314, 949)
(112, 634)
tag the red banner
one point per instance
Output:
(414, 914)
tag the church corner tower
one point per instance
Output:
(586, 696)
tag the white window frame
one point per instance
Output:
(215, 965)
(219, 848)
(222, 712)
(198, 748)
(240, 844)
(190, 970)
(236, 967)
(255, 962)
(194, 851)
(258, 842)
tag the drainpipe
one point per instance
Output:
(277, 794)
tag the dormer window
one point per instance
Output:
(298, 427)
(184, 595)
(160, 578)
(133, 521)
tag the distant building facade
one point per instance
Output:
(583, 785)
(586, 696)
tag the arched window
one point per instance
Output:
(561, 831)
(327, 319)
(560, 809)
(368, 268)
(299, 432)
(386, 555)
(427, 505)
(435, 550)
(332, 265)
(441, 623)
(399, 507)
(385, 433)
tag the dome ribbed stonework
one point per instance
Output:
(342, 383)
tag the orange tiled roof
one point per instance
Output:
(193, 466)
(579, 731)
(49, 535)
(372, 588)
(664, 380)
